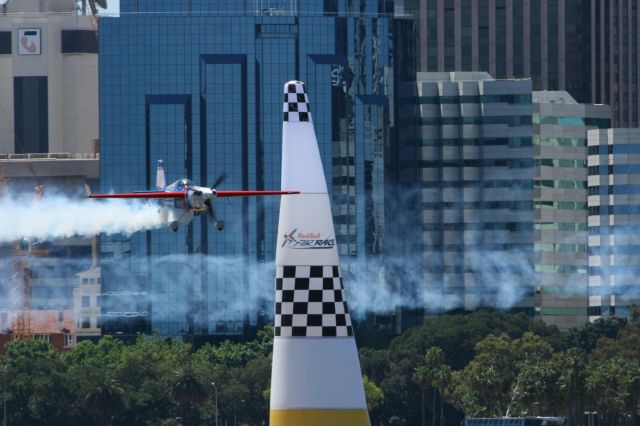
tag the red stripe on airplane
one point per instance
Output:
(181, 194)
(251, 193)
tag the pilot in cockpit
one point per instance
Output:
(182, 183)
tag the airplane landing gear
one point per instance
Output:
(220, 225)
(174, 226)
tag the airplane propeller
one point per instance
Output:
(212, 216)
(221, 178)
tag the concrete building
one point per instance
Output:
(48, 78)
(86, 303)
(477, 190)
(48, 137)
(588, 48)
(614, 221)
(560, 127)
(202, 91)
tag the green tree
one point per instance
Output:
(456, 335)
(435, 360)
(613, 375)
(38, 390)
(536, 389)
(187, 392)
(613, 384)
(104, 401)
(373, 394)
(485, 386)
(571, 383)
(422, 376)
(586, 337)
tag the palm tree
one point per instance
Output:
(422, 377)
(187, 392)
(104, 401)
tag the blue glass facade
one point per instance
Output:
(201, 88)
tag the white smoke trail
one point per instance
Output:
(59, 216)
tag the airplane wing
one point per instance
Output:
(142, 194)
(252, 193)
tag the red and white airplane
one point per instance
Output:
(181, 201)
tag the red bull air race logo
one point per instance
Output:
(301, 240)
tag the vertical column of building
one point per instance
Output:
(544, 44)
(510, 22)
(457, 25)
(562, 39)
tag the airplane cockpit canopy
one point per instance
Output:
(179, 185)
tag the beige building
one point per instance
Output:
(48, 78)
(86, 303)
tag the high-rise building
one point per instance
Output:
(590, 49)
(560, 127)
(614, 221)
(538, 39)
(199, 86)
(615, 77)
(477, 190)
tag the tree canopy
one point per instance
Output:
(485, 363)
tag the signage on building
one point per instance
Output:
(29, 41)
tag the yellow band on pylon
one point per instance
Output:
(319, 418)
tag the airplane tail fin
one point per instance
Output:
(160, 179)
(316, 377)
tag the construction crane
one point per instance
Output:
(20, 276)
(20, 281)
(21, 291)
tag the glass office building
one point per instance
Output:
(198, 84)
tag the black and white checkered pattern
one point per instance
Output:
(310, 302)
(296, 103)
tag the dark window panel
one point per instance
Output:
(5, 42)
(31, 114)
(79, 41)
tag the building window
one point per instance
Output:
(5, 42)
(86, 322)
(44, 337)
(60, 316)
(31, 114)
(79, 41)
(594, 310)
(69, 340)
(86, 301)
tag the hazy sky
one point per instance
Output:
(113, 6)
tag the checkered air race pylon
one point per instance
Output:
(316, 378)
